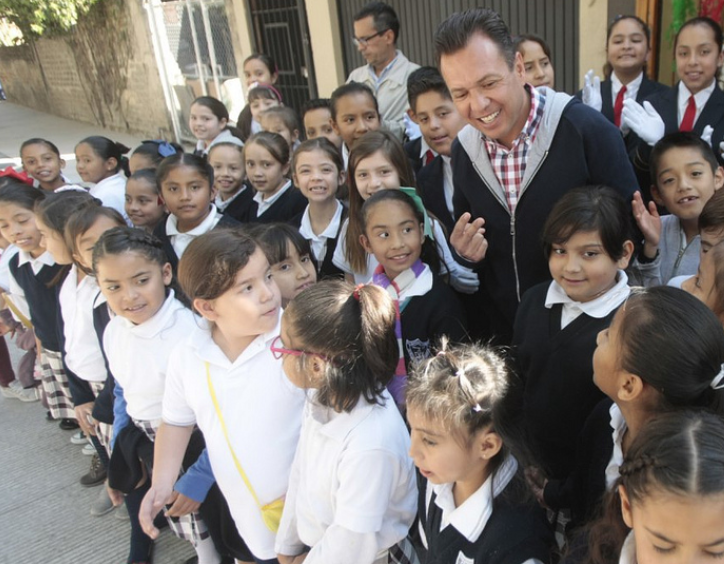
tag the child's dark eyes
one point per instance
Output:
(428, 442)
(590, 254)
(664, 550)
(305, 259)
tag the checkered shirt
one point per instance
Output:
(509, 164)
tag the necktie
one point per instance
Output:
(429, 155)
(618, 106)
(687, 124)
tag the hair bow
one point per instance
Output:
(427, 224)
(22, 176)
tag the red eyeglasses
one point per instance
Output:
(278, 352)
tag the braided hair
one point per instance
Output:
(119, 240)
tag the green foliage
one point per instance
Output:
(682, 10)
(44, 17)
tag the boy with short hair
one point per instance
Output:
(686, 174)
(432, 108)
(317, 119)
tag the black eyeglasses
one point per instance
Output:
(365, 40)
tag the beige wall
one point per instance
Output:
(323, 21)
(593, 17)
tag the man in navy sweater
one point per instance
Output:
(522, 149)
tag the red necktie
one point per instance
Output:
(687, 124)
(429, 155)
(618, 106)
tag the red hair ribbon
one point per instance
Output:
(22, 176)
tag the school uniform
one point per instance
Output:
(261, 410)
(202, 149)
(671, 106)
(34, 299)
(324, 244)
(434, 182)
(554, 340)
(352, 490)
(112, 192)
(237, 207)
(82, 350)
(676, 257)
(490, 527)
(419, 153)
(175, 243)
(281, 207)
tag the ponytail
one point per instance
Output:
(354, 328)
(107, 149)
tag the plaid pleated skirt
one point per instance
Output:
(54, 383)
(104, 431)
(189, 527)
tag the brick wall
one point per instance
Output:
(103, 72)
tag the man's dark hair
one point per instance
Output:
(383, 15)
(454, 33)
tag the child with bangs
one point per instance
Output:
(260, 97)
(144, 205)
(462, 406)
(234, 197)
(588, 241)
(317, 121)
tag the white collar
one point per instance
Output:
(411, 286)
(204, 227)
(618, 426)
(111, 179)
(265, 204)
(628, 550)
(424, 148)
(632, 88)
(305, 229)
(202, 341)
(598, 308)
(337, 425)
(221, 205)
(700, 98)
(471, 517)
(45, 259)
(161, 320)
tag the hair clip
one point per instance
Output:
(21, 176)
(460, 373)
(355, 292)
(718, 382)
(477, 408)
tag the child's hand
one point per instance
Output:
(182, 505)
(153, 502)
(537, 483)
(468, 238)
(115, 495)
(83, 415)
(591, 94)
(649, 223)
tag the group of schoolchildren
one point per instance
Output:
(272, 347)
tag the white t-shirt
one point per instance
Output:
(112, 192)
(83, 353)
(262, 411)
(352, 493)
(138, 355)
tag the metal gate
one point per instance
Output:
(195, 54)
(280, 29)
(554, 20)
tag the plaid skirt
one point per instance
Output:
(104, 431)
(189, 527)
(402, 553)
(55, 385)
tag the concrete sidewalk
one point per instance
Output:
(18, 123)
(44, 511)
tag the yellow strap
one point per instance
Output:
(226, 436)
(24, 320)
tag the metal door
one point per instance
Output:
(195, 54)
(279, 29)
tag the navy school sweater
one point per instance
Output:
(327, 269)
(288, 205)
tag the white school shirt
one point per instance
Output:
(265, 204)
(471, 517)
(221, 205)
(225, 135)
(112, 192)
(618, 430)
(352, 491)
(262, 411)
(700, 99)
(9, 252)
(83, 353)
(628, 550)
(17, 294)
(319, 242)
(447, 184)
(138, 355)
(180, 241)
(632, 88)
(598, 308)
